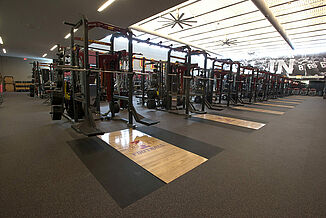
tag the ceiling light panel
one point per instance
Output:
(226, 27)
(282, 51)
(223, 25)
(240, 44)
(296, 51)
(296, 6)
(203, 7)
(251, 37)
(314, 27)
(321, 32)
(315, 36)
(235, 33)
(258, 52)
(272, 3)
(137, 33)
(310, 37)
(251, 46)
(302, 14)
(312, 45)
(213, 11)
(240, 20)
(297, 23)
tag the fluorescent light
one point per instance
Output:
(44, 55)
(4, 51)
(68, 35)
(105, 5)
(1, 42)
(54, 47)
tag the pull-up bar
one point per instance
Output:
(93, 41)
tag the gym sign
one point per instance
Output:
(292, 67)
(303, 66)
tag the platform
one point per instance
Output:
(164, 160)
(259, 110)
(231, 121)
(274, 105)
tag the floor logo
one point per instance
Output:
(145, 144)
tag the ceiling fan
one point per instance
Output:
(229, 42)
(177, 19)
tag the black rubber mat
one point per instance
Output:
(122, 178)
(188, 144)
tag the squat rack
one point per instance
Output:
(88, 126)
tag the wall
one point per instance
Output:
(20, 69)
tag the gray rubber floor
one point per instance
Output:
(277, 171)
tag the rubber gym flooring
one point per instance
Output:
(277, 170)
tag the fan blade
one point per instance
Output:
(174, 25)
(180, 25)
(167, 18)
(189, 18)
(186, 24)
(167, 25)
(189, 21)
(164, 21)
(173, 16)
(181, 16)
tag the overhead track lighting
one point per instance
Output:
(105, 5)
(54, 47)
(1, 42)
(44, 55)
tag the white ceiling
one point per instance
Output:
(29, 28)
(303, 20)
